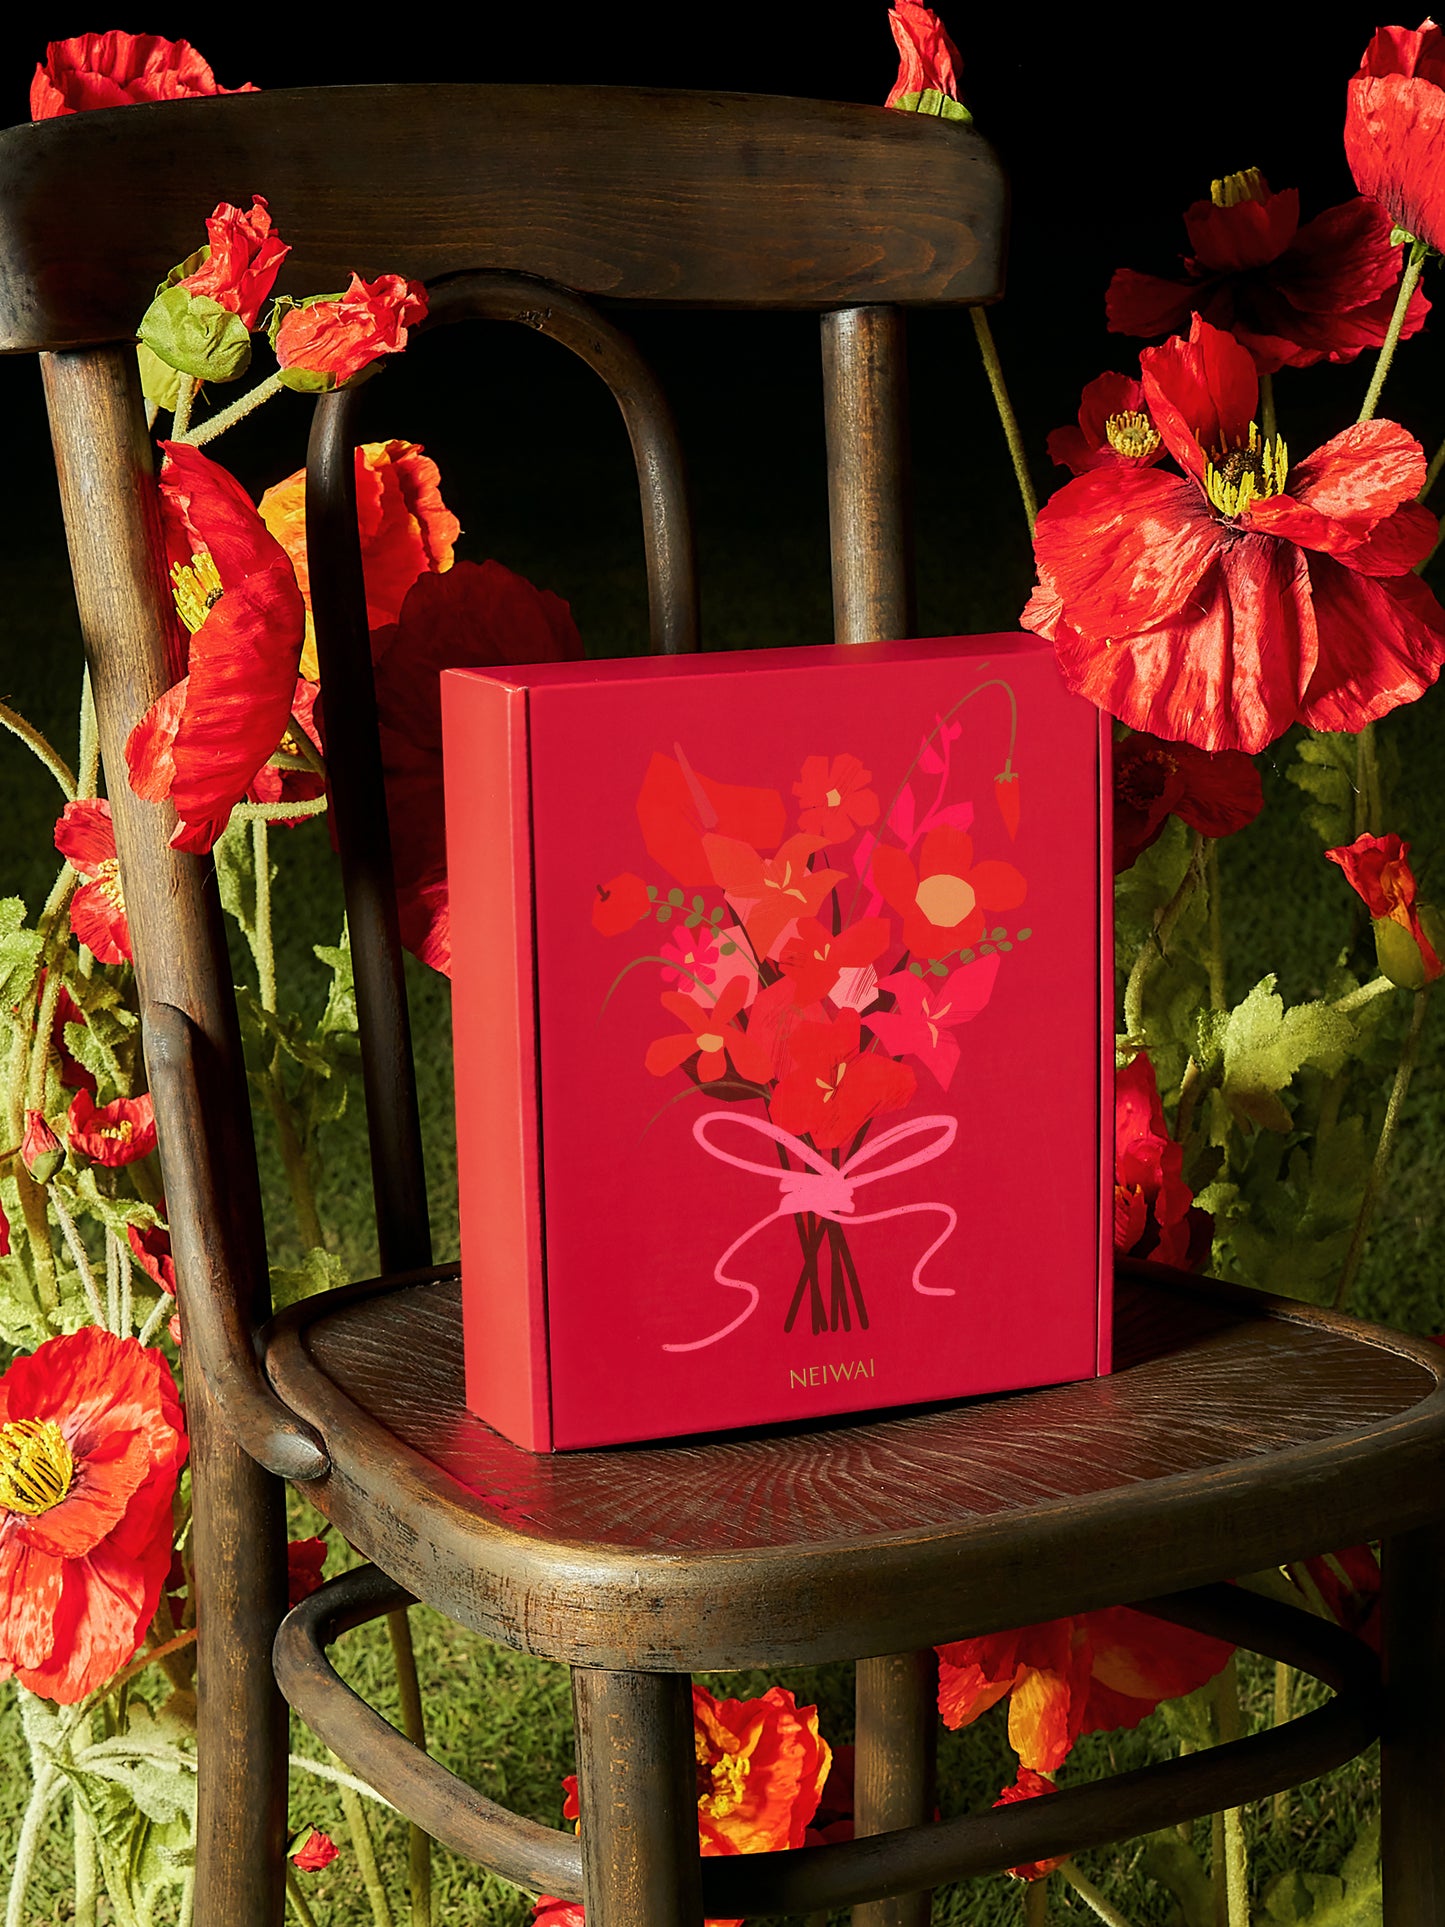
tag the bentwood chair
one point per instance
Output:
(1238, 1431)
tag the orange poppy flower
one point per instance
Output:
(714, 1034)
(776, 889)
(942, 901)
(324, 342)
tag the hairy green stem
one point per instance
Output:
(1035, 1908)
(32, 1831)
(207, 431)
(126, 1308)
(1432, 473)
(994, 369)
(1366, 994)
(1236, 1866)
(12, 720)
(1091, 1897)
(87, 1891)
(185, 401)
(112, 1285)
(1217, 999)
(1283, 1706)
(187, 1915)
(1367, 784)
(1268, 426)
(413, 1724)
(1381, 1162)
(81, 1256)
(354, 1808)
(41, 1047)
(336, 1775)
(1409, 281)
(262, 945)
(279, 812)
(297, 1898)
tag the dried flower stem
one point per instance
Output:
(1409, 281)
(994, 369)
(1409, 1053)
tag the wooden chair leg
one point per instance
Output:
(239, 1548)
(637, 1785)
(1412, 1747)
(897, 1705)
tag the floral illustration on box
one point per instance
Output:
(817, 955)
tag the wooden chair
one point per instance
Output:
(1238, 1431)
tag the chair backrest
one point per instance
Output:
(639, 197)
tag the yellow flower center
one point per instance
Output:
(107, 875)
(122, 1132)
(710, 1041)
(196, 587)
(1234, 188)
(1235, 477)
(720, 1783)
(1131, 432)
(945, 900)
(36, 1465)
(829, 1086)
(833, 798)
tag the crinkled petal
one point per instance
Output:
(1362, 474)
(1148, 305)
(1202, 393)
(1381, 644)
(1250, 234)
(1395, 144)
(1125, 549)
(1341, 259)
(30, 1587)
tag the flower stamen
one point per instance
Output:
(1131, 433)
(197, 588)
(1248, 185)
(1236, 477)
(36, 1465)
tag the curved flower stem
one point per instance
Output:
(279, 812)
(207, 431)
(1368, 812)
(12, 720)
(994, 370)
(1268, 426)
(1409, 281)
(1236, 1866)
(1035, 1909)
(1156, 945)
(41, 1046)
(160, 1312)
(185, 402)
(261, 944)
(31, 1831)
(297, 1898)
(1091, 1897)
(126, 1310)
(413, 1724)
(365, 1850)
(82, 1258)
(1381, 1163)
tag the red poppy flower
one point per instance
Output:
(814, 959)
(1094, 1672)
(1029, 1785)
(1395, 128)
(1292, 295)
(91, 1443)
(714, 1035)
(1217, 608)
(324, 342)
(203, 742)
(620, 904)
(288, 782)
(243, 260)
(117, 69)
(677, 807)
(41, 1151)
(304, 1561)
(73, 1074)
(833, 1820)
(1214, 794)
(151, 1244)
(318, 1850)
(112, 1134)
(1154, 1211)
(834, 1086)
(85, 837)
(1348, 1584)
(943, 899)
(928, 63)
(835, 797)
(549, 1911)
(761, 1765)
(1378, 868)
(406, 529)
(1114, 429)
(470, 618)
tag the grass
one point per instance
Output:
(559, 508)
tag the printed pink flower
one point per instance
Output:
(85, 837)
(691, 962)
(835, 798)
(835, 1087)
(814, 958)
(1114, 429)
(714, 1035)
(927, 1009)
(112, 1134)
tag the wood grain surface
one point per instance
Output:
(691, 199)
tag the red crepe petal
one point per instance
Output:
(1202, 393)
(1381, 643)
(1126, 551)
(1250, 234)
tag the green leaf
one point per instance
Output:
(1353, 1898)
(1325, 770)
(1265, 1045)
(235, 860)
(318, 1271)
(340, 1012)
(1178, 1869)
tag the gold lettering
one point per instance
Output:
(815, 1375)
(796, 1378)
(833, 1373)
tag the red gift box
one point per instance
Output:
(782, 985)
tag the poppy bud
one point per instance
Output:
(311, 1849)
(41, 1151)
(1399, 955)
(1006, 790)
(197, 335)
(159, 382)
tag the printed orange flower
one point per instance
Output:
(318, 1850)
(834, 1087)
(814, 959)
(1090, 1673)
(835, 797)
(942, 901)
(775, 889)
(678, 806)
(151, 1244)
(242, 261)
(324, 342)
(1395, 124)
(406, 529)
(91, 1443)
(112, 1134)
(203, 742)
(714, 1034)
(1378, 868)
(1029, 1786)
(619, 904)
(928, 63)
(116, 70)
(85, 837)
(304, 1561)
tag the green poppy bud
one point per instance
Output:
(1398, 954)
(196, 335)
(160, 383)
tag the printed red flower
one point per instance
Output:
(769, 892)
(620, 903)
(322, 343)
(928, 62)
(834, 1086)
(244, 259)
(1215, 794)
(690, 962)
(714, 1035)
(1217, 608)
(151, 1244)
(406, 529)
(1291, 295)
(117, 69)
(1114, 429)
(943, 898)
(677, 807)
(91, 1443)
(41, 1151)
(1007, 796)
(472, 617)
(318, 1850)
(1155, 1215)
(1094, 1672)
(304, 1561)
(203, 742)
(85, 837)
(1378, 868)
(1029, 1785)
(814, 959)
(835, 797)
(927, 1010)
(1395, 128)
(112, 1134)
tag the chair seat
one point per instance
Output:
(1237, 1431)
